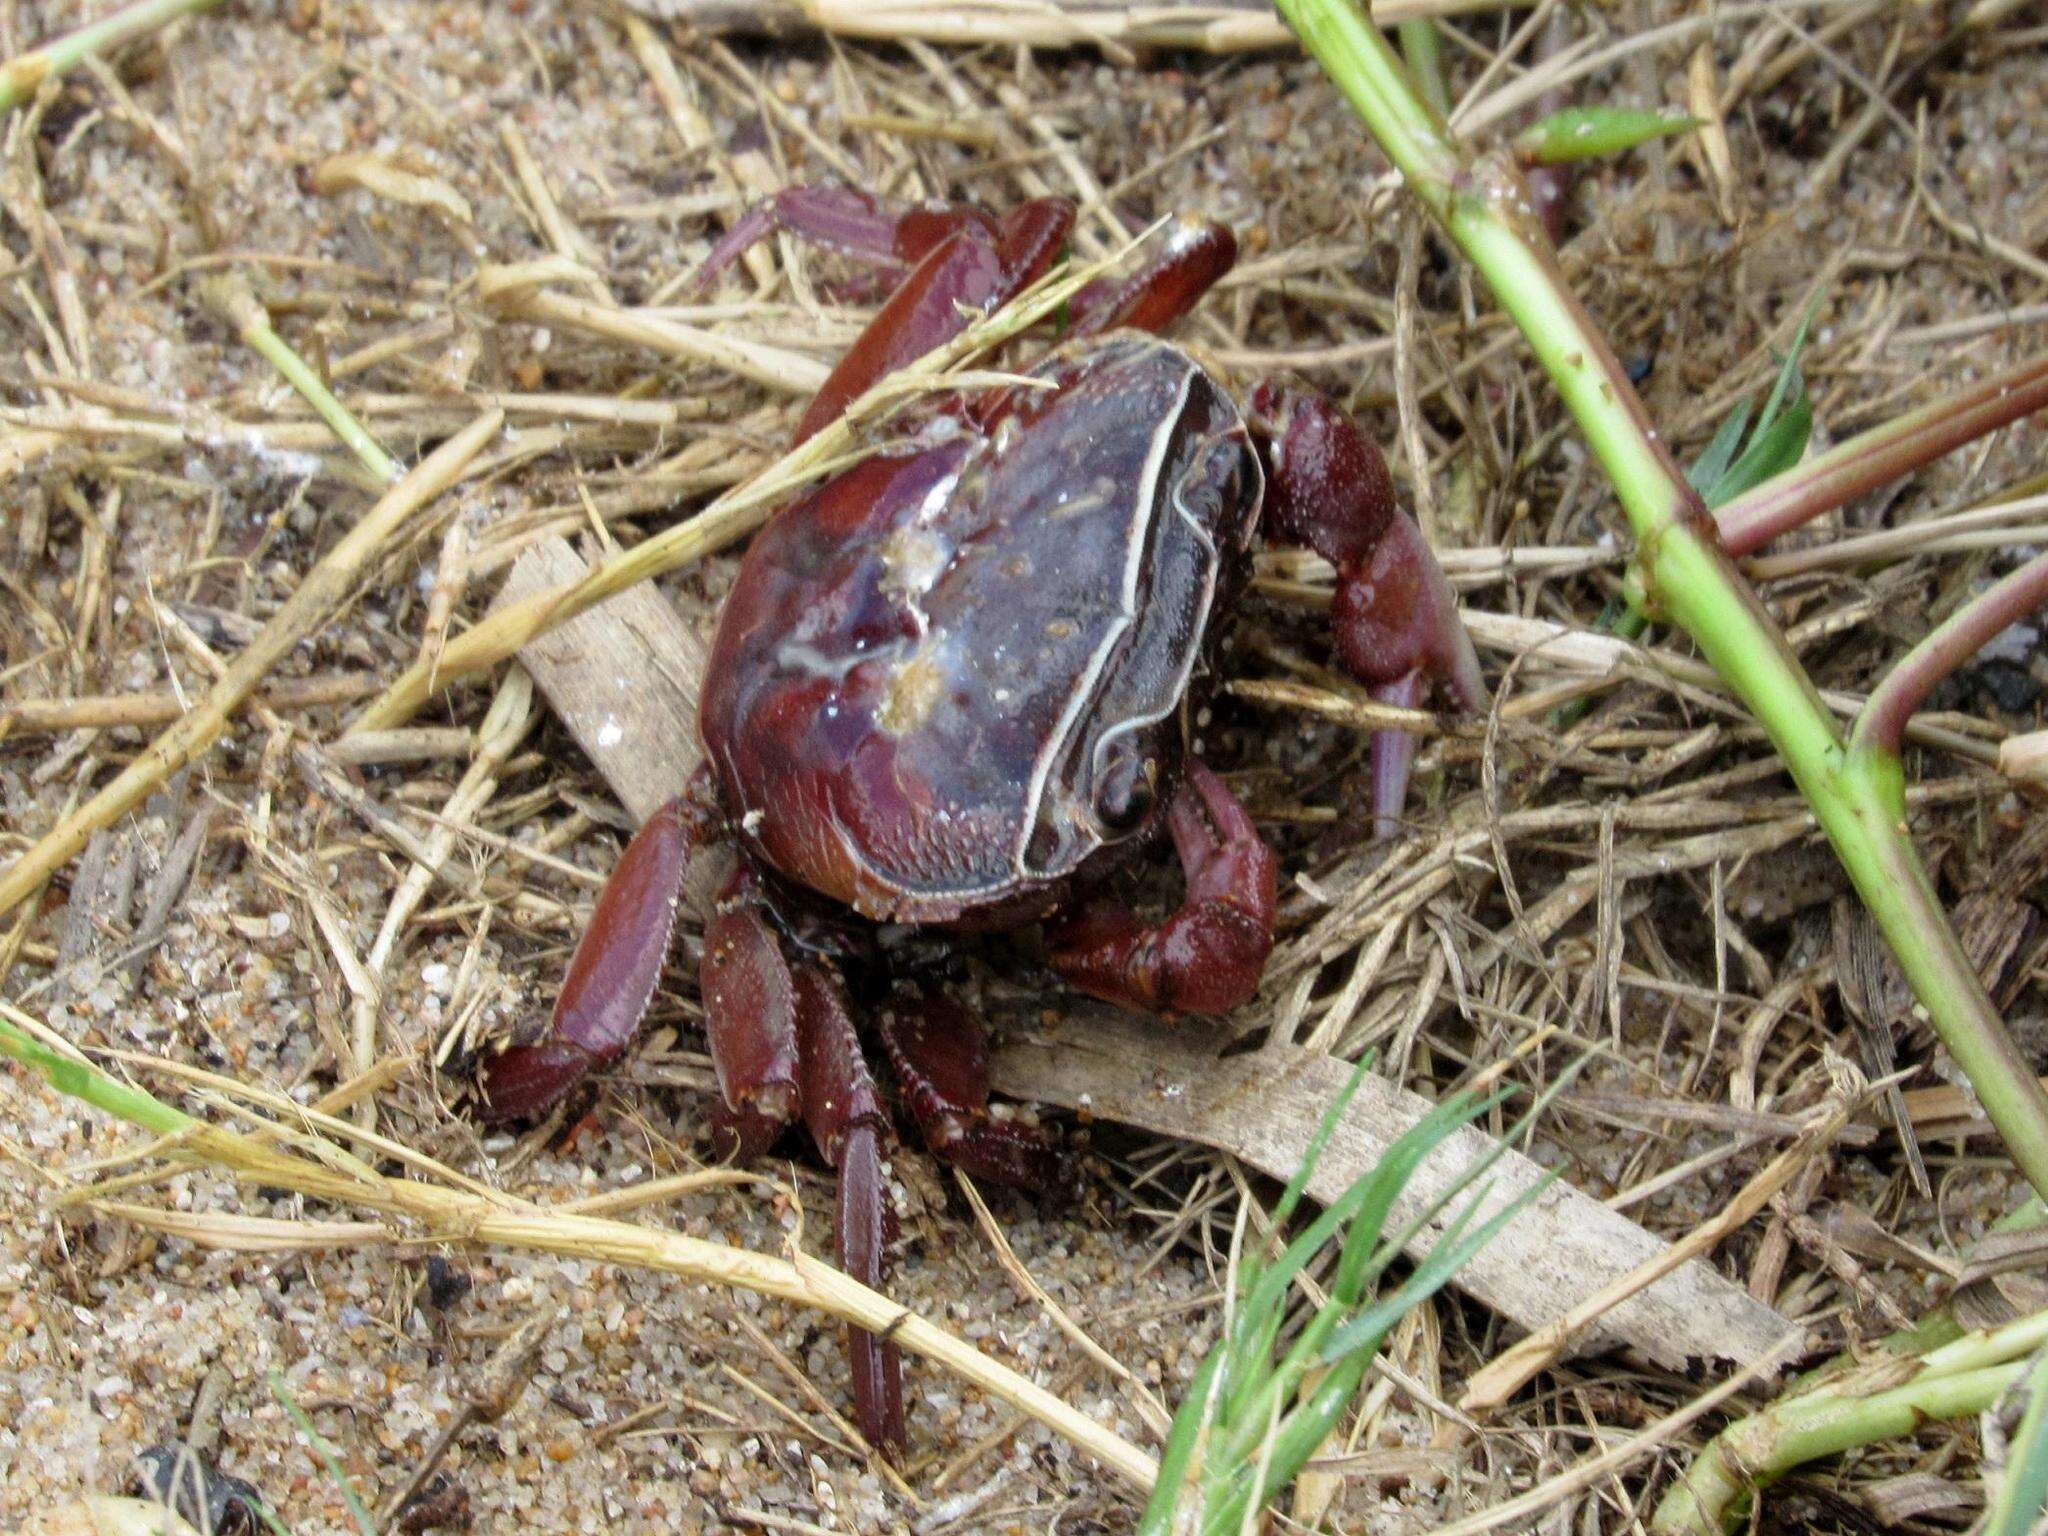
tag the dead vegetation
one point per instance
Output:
(467, 216)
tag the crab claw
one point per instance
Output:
(1208, 956)
(1395, 622)
(610, 981)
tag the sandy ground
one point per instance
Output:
(207, 146)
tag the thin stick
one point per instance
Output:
(21, 77)
(325, 589)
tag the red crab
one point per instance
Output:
(952, 688)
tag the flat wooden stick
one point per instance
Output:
(1264, 1106)
(624, 677)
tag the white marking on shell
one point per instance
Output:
(1083, 692)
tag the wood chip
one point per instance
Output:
(1264, 1106)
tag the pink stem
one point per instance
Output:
(1880, 456)
(1959, 637)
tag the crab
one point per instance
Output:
(954, 687)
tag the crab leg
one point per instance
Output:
(1196, 255)
(890, 237)
(846, 1119)
(1395, 621)
(750, 1022)
(1208, 956)
(612, 978)
(940, 1057)
(962, 260)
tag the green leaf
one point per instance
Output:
(1773, 450)
(1587, 133)
(1780, 438)
(2023, 1491)
(1713, 464)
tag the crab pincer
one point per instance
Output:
(1395, 621)
(1208, 956)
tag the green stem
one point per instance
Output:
(1960, 1378)
(1686, 573)
(20, 77)
(77, 1078)
(237, 303)
(1717, 1487)
(1881, 727)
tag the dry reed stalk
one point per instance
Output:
(776, 367)
(113, 711)
(1148, 1407)
(729, 518)
(324, 590)
(506, 723)
(1117, 30)
(299, 1156)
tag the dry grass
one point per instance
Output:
(454, 209)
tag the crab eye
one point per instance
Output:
(1125, 793)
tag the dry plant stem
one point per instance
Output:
(731, 517)
(326, 1172)
(1116, 29)
(1878, 457)
(1685, 571)
(326, 587)
(1959, 1379)
(107, 711)
(20, 77)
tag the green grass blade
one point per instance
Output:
(2023, 1491)
(1392, 1247)
(1366, 1202)
(1179, 1476)
(1319, 1143)
(1445, 1259)
(325, 1452)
